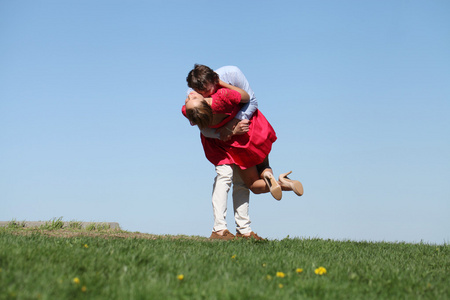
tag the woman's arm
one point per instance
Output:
(244, 95)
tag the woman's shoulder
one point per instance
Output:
(223, 100)
(226, 94)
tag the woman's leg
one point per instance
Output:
(266, 174)
(253, 180)
(253, 177)
(264, 167)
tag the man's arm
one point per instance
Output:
(234, 76)
(210, 133)
(239, 125)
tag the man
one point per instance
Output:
(206, 82)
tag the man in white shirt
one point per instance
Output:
(206, 82)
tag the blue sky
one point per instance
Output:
(357, 91)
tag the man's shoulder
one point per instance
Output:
(228, 69)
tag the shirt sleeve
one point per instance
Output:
(234, 76)
(210, 133)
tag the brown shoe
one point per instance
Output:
(227, 236)
(252, 235)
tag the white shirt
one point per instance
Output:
(234, 76)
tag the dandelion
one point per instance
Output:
(280, 286)
(281, 274)
(299, 270)
(86, 246)
(268, 277)
(83, 289)
(76, 280)
(233, 257)
(180, 277)
(264, 265)
(320, 271)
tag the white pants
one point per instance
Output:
(227, 174)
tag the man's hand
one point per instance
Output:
(233, 127)
(242, 127)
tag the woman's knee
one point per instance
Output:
(256, 190)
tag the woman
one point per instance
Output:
(250, 150)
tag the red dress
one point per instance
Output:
(245, 150)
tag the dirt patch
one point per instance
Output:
(106, 234)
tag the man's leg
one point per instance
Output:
(221, 187)
(241, 199)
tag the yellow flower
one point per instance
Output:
(86, 246)
(280, 286)
(76, 280)
(180, 277)
(233, 257)
(320, 271)
(268, 277)
(280, 274)
(83, 288)
(299, 270)
(264, 265)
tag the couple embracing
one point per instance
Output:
(237, 140)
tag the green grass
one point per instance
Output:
(53, 224)
(119, 265)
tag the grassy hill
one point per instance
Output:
(73, 263)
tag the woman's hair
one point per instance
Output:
(200, 77)
(201, 115)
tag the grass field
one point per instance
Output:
(55, 263)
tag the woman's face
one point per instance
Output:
(193, 100)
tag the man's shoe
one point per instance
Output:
(227, 236)
(252, 235)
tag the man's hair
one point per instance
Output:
(200, 77)
(202, 115)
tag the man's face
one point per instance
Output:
(210, 89)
